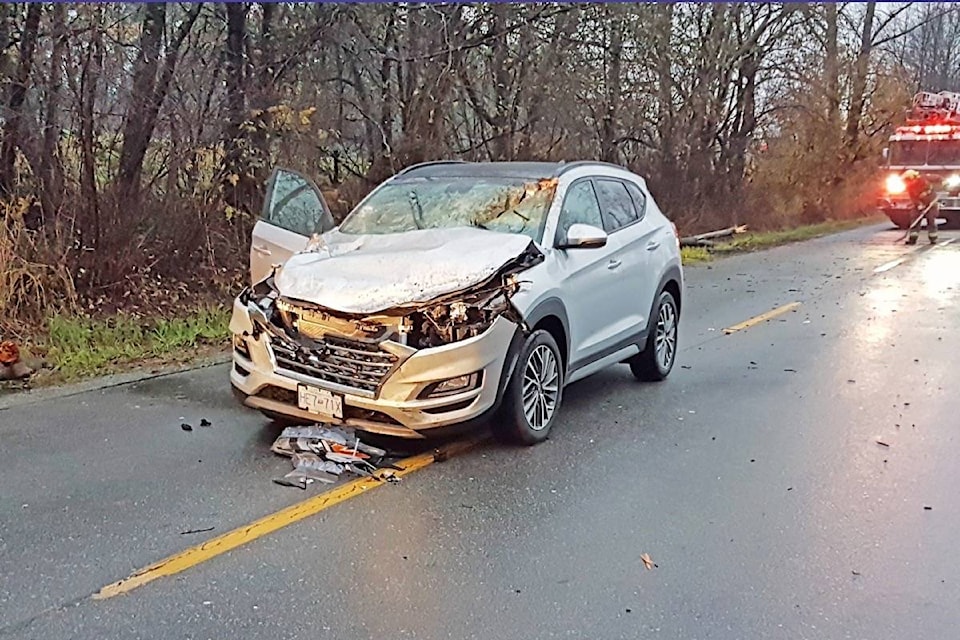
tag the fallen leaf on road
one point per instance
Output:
(648, 563)
(882, 443)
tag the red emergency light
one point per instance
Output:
(931, 128)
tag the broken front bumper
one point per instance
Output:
(400, 405)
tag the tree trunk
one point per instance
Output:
(858, 89)
(89, 79)
(831, 69)
(51, 169)
(612, 86)
(138, 129)
(17, 95)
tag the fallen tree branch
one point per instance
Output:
(704, 239)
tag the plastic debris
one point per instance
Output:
(324, 454)
(11, 366)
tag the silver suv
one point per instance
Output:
(453, 293)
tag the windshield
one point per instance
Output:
(944, 153)
(907, 153)
(506, 205)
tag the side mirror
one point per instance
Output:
(584, 236)
(886, 153)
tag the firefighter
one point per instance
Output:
(923, 198)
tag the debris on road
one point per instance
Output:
(324, 454)
(705, 239)
(882, 443)
(205, 423)
(928, 508)
(186, 427)
(648, 563)
(192, 531)
(11, 366)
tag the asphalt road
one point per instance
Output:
(753, 478)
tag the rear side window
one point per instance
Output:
(639, 199)
(616, 205)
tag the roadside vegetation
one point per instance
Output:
(755, 241)
(137, 139)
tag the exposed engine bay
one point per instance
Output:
(444, 320)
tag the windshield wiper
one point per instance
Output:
(417, 209)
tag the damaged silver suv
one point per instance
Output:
(455, 293)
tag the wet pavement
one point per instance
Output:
(754, 478)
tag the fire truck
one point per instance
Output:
(929, 142)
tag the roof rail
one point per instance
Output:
(569, 166)
(427, 164)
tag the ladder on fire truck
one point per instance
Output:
(934, 108)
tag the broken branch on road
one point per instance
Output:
(706, 239)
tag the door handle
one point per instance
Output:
(653, 245)
(262, 250)
(613, 264)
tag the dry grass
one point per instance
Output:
(35, 277)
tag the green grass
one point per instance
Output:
(766, 239)
(755, 241)
(694, 255)
(81, 347)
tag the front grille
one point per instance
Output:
(354, 365)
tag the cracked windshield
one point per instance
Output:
(495, 204)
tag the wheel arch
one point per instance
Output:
(550, 315)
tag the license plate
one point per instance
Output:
(319, 401)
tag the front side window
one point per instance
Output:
(507, 205)
(294, 204)
(580, 206)
(615, 204)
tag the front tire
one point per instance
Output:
(656, 360)
(533, 395)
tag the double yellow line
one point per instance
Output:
(268, 524)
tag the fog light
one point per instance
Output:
(451, 386)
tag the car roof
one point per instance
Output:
(522, 170)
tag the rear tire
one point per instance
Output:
(533, 395)
(656, 360)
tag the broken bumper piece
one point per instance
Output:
(394, 390)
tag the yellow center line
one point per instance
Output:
(268, 524)
(763, 317)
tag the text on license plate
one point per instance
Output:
(319, 401)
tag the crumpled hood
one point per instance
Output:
(365, 274)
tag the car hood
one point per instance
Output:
(365, 274)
